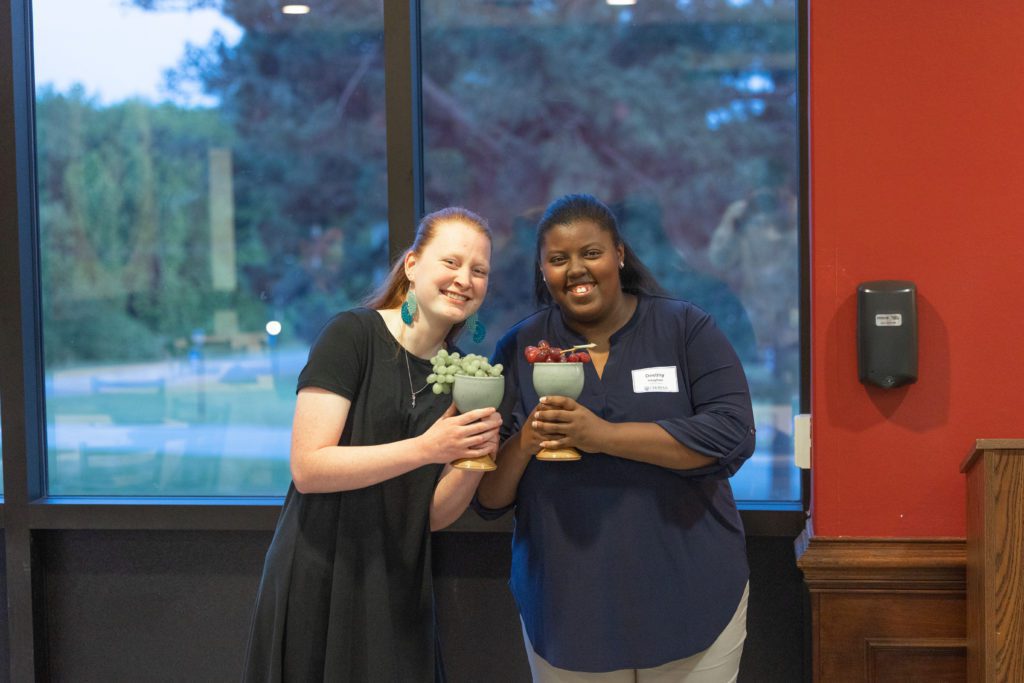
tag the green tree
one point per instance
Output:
(523, 102)
(123, 214)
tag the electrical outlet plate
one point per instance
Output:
(802, 441)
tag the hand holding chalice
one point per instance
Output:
(558, 372)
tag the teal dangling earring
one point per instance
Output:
(476, 328)
(409, 307)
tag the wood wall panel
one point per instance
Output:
(995, 560)
(921, 659)
(886, 609)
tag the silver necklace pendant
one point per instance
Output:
(412, 391)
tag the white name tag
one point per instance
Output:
(656, 379)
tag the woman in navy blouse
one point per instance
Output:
(629, 564)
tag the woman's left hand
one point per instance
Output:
(569, 424)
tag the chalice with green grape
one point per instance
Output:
(558, 372)
(473, 383)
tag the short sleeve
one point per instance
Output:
(337, 357)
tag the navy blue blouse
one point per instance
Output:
(618, 564)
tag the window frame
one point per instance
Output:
(26, 509)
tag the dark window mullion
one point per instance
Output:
(404, 118)
(145, 514)
(21, 372)
(803, 133)
(24, 425)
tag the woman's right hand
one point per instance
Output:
(466, 435)
(529, 438)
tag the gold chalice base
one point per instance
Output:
(480, 464)
(558, 454)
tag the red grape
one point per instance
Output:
(532, 354)
(544, 352)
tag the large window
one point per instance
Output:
(211, 187)
(683, 116)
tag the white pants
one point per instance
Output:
(720, 663)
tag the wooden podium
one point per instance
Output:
(995, 560)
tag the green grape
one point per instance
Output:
(446, 366)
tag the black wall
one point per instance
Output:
(482, 637)
(174, 606)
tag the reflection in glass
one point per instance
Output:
(682, 116)
(200, 219)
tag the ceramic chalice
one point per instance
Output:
(471, 393)
(558, 379)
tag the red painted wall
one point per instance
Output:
(917, 173)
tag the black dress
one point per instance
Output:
(347, 593)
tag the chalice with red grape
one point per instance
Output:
(558, 372)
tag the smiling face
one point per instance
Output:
(450, 273)
(580, 264)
